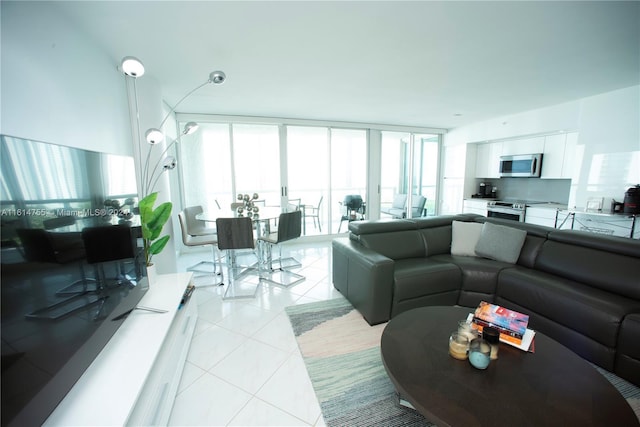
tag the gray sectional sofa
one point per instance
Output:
(581, 289)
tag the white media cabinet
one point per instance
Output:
(134, 379)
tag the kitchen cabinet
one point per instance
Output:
(541, 216)
(523, 146)
(476, 206)
(488, 160)
(559, 155)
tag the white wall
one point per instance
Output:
(57, 85)
(608, 152)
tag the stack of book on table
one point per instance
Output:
(511, 324)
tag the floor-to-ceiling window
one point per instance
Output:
(309, 165)
(206, 168)
(409, 166)
(425, 170)
(348, 172)
(256, 160)
(324, 165)
(308, 170)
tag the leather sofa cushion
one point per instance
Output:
(592, 265)
(589, 311)
(628, 355)
(395, 245)
(629, 340)
(358, 228)
(530, 250)
(417, 277)
(437, 240)
(478, 274)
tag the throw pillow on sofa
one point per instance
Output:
(464, 237)
(500, 243)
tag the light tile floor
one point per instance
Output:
(244, 367)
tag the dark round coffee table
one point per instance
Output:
(551, 387)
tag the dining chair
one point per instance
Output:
(311, 211)
(236, 235)
(196, 233)
(289, 228)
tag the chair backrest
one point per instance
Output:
(183, 227)
(399, 201)
(193, 225)
(190, 213)
(417, 205)
(289, 226)
(235, 233)
(320, 202)
(37, 245)
(108, 243)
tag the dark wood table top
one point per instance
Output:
(551, 387)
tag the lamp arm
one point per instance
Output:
(178, 103)
(155, 168)
(153, 185)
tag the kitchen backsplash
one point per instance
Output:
(535, 189)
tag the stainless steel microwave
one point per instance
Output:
(521, 165)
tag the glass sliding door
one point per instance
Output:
(324, 165)
(409, 167)
(348, 173)
(308, 175)
(222, 160)
(256, 160)
(425, 173)
(205, 167)
(394, 168)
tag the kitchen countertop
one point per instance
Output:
(548, 205)
(584, 211)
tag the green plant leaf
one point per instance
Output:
(160, 216)
(157, 246)
(152, 221)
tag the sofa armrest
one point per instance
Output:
(365, 278)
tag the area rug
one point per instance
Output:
(342, 355)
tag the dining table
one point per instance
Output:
(262, 220)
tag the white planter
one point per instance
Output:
(152, 274)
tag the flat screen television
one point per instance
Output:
(60, 308)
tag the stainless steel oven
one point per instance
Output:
(506, 210)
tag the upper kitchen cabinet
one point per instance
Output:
(523, 146)
(559, 156)
(488, 160)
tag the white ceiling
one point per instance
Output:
(421, 63)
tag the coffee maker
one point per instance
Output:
(485, 189)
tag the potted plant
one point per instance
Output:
(152, 221)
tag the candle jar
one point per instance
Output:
(464, 328)
(458, 346)
(492, 336)
(479, 353)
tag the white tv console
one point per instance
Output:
(134, 379)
